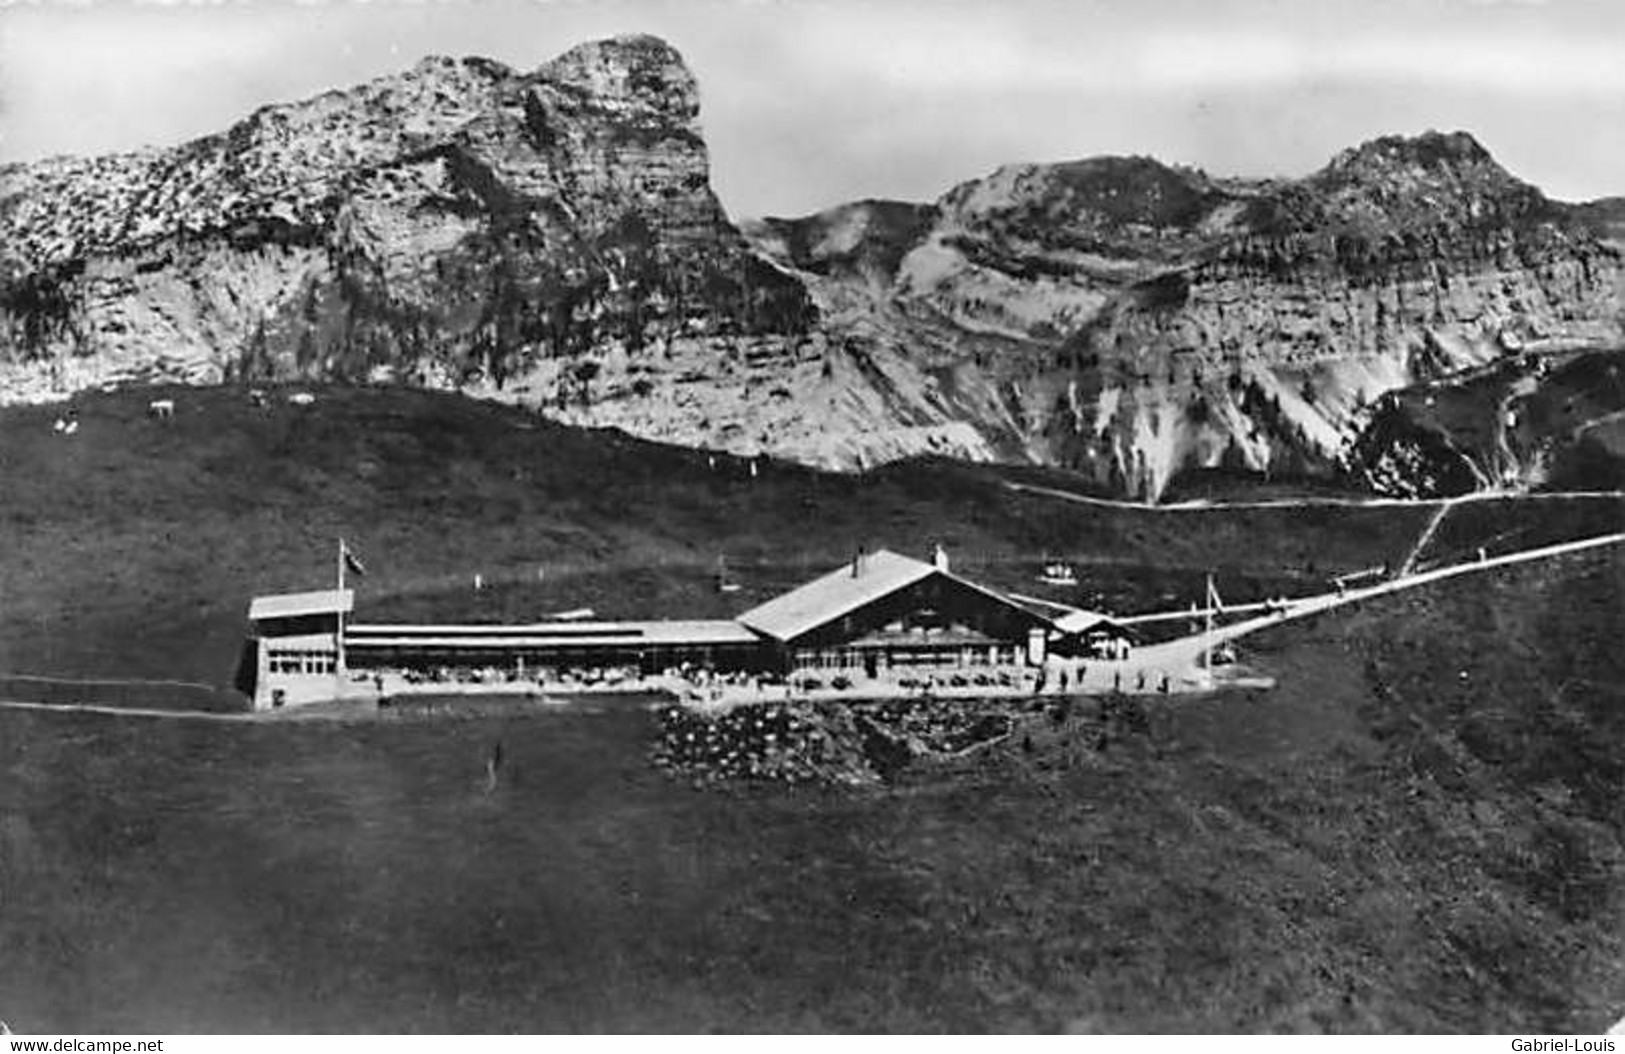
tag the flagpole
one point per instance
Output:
(1207, 652)
(340, 664)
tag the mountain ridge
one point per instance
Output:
(584, 174)
(550, 237)
(1194, 321)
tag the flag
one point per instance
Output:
(351, 561)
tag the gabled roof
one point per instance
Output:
(1080, 621)
(841, 592)
(292, 605)
(838, 593)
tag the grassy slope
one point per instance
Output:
(132, 548)
(1419, 830)
(1505, 526)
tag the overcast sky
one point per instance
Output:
(806, 103)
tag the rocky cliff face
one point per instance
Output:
(551, 237)
(1133, 320)
(548, 237)
(457, 223)
(1402, 261)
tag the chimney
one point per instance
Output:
(857, 562)
(939, 559)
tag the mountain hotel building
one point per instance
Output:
(881, 612)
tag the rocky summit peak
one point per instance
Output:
(455, 223)
(637, 71)
(1109, 189)
(1440, 154)
(1407, 183)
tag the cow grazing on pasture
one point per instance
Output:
(302, 399)
(162, 409)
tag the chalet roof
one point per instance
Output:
(293, 605)
(838, 593)
(841, 592)
(1079, 621)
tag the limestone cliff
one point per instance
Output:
(1133, 320)
(547, 237)
(456, 223)
(551, 237)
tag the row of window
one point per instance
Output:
(301, 662)
(852, 658)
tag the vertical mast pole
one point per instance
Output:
(1207, 651)
(339, 667)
